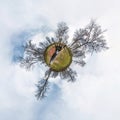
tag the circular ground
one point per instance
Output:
(58, 56)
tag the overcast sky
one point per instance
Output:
(96, 93)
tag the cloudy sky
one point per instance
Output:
(96, 93)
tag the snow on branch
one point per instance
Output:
(91, 38)
(62, 32)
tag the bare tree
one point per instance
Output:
(62, 32)
(42, 85)
(87, 40)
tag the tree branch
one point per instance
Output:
(42, 86)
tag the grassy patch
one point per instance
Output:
(61, 61)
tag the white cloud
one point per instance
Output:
(95, 96)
